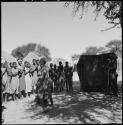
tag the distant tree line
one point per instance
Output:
(114, 45)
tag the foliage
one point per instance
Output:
(57, 60)
(75, 57)
(42, 51)
(112, 10)
(92, 50)
(23, 51)
(116, 46)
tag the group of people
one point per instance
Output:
(21, 79)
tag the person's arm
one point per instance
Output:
(3, 73)
(33, 69)
(26, 72)
(14, 73)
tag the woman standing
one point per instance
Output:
(8, 81)
(22, 84)
(3, 78)
(15, 81)
(28, 79)
(33, 70)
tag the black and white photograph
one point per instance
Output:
(61, 62)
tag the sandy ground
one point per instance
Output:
(69, 108)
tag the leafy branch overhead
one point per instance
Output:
(112, 10)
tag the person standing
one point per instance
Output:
(43, 88)
(71, 79)
(67, 76)
(14, 82)
(28, 79)
(113, 75)
(8, 81)
(60, 77)
(22, 84)
(33, 70)
(3, 77)
(3, 71)
(51, 75)
(55, 78)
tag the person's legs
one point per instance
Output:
(114, 87)
(13, 97)
(29, 93)
(67, 85)
(51, 99)
(6, 97)
(23, 93)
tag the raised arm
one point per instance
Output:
(3, 72)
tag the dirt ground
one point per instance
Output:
(75, 108)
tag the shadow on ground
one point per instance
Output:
(81, 108)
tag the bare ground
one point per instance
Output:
(69, 108)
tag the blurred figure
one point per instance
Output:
(3, 71)
(113, 75)
(4, 78)
(55, 78)
(60, 77)
(67, 76)
(44, 86)
(60, 68)
(51, 74)
(71, 79)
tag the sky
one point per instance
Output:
(53, 26)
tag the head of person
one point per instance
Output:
(60, 63)
(14, 65)
(26, 64)
(42, 62)
(66, 63)
(11, 64)
(54, 66)
(5, 64)
(37, 61)
(34, 62)
(51, 65)
(2, 62)
(113, 57)
(20, 60)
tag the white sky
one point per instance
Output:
(53, 26)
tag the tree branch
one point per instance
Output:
(110, 28)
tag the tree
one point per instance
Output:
(57, 60)
(23, 51)
(92, 50)
(75, 57)
(112, 10)
(42, 51)
(116, 46)
(39, 50)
